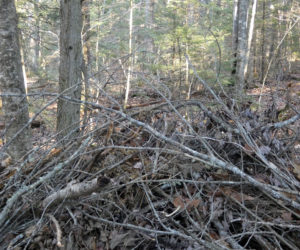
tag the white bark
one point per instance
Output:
(76, 190)
(250, 36)
(242, 45)
(128, 83)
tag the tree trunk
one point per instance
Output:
(128, 83)
(254, 73)
(68, 113)
(242, 45)
(250, 36)
(18, 138)
(263, 56)
(149, 43)
(235, 36)
(37, 38)
(87, 62)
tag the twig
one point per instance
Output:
(58, 231)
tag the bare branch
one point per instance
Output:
(58, 231)
(76, 190)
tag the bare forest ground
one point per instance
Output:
(204, 173)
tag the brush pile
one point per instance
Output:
(168, 175)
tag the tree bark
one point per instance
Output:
(235, 36)
(263, 56)
(70, 68)
(128, 83)
(250, 36)
(87, 56)
(149, 9)
(37, 38)
(11, 81)
(242, 45)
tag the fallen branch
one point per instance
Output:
(73, 191)
(283, 123)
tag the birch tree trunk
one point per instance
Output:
(128, 83)
(263, 56)
(250, 36)
(17, 136)
(70, 68)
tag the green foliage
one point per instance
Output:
(200, 29)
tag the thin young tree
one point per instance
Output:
(129, 74)
(14, 102)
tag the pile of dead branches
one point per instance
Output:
(170, 175)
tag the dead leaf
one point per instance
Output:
(178, 202)
(109, 132)
(214, 235)
(237, 196)
(192, 204)
(248, 149)
(6, 162)
(186, 203)
(287, 216)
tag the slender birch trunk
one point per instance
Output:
(250, 36)
(129, 74)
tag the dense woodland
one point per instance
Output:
(150, 124)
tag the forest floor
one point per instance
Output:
(162, 175)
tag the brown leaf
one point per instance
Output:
(214, 235)
(185, 202)
(192, 204)
(178, 202)
(237, 196)
(287, 216)
(248, 149)
(5, 163)
(109, 132)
